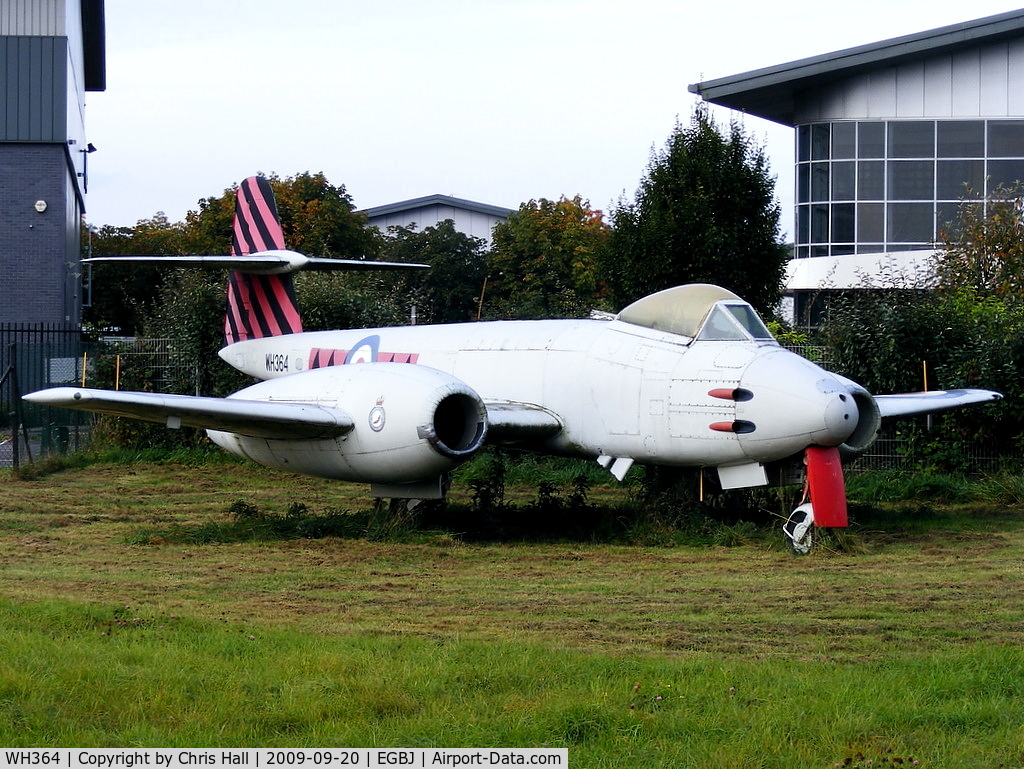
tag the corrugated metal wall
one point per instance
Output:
(33, 17)
(33, 89)
(981, 82)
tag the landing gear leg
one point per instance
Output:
(799, 529)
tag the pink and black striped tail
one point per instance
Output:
(258, 305)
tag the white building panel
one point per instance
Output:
(882, 99)
(938, 87)
(1015, 75)
(474, 219)
(34, 17)
(967, 84)
(910, 90)
(993, 66)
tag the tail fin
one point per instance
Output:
(259, 305)
(261, 294)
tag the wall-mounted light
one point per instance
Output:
(40, 206)
(89, 149)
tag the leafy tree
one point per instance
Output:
(705, 212)
(449, 291)
(446, 293)
(317, 218)
(350, 300)
(982, 250)
(122, 294)
(545, 260)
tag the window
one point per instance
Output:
(870, 186)
(911, 223)
(871, 140)
(1005, 173)
(871, 180)
(956, 179)
(843, 217)
(961, 139)
(819, 181)
(913, 139)
(844, 140)
(911, 180)
(844, 181)
(1006, 138)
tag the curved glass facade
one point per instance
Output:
(883, 186)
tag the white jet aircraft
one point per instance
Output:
(687, 377)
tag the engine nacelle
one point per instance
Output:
(412, 423)
(868, 421)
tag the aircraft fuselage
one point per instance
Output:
(620, 390)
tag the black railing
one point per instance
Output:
(34, 356)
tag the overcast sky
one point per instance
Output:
(498, 101)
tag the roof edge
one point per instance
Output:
(430, 200)
(729, 91)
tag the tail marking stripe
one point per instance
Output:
(258, 305)
(320, 357)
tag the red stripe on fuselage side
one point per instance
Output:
(320, 357)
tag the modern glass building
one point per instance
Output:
(865, 187)
(890, 138)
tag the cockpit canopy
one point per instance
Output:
(699, 311)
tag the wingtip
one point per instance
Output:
(55, 396)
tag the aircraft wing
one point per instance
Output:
(508, 421)
(262, 262)
(260, 419)
(907, 404)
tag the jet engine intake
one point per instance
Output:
(411, 423)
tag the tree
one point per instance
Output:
(449, 291)
(318, 219)
(705, 212)
(982, 250)
(967, 332)
(545, 260)
(121, 295)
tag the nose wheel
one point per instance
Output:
(799, 529)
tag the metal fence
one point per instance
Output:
(38, 356)
(893, 448)
(34, 356)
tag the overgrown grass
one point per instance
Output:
(731, 653)
(93, 676)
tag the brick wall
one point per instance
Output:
(38, 251)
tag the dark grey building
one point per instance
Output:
(889, 138)
(51, 53)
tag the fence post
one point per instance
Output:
(14, 438)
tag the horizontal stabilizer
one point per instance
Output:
(275, 262)
(509, 422)
(260, 419)
(908, 404)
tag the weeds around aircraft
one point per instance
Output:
(687, 377)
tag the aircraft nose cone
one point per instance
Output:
(793, 404)
(840, 419)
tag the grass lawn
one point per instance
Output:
(909, 650)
